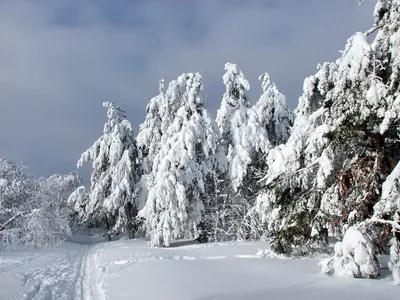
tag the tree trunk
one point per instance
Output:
(108, 230)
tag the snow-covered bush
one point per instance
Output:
(46, 226)
(33, 212)
(49, 222)
(385, 222)
(17, 187)
(394, 262)
(11, 239)
(78, 201)
(354, 257)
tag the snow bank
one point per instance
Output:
(354, 257)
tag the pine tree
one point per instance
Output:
(273, 112)
(149, 144)
(348, 115)
(176, 199)
(78, 202)
(234, 99)
(329, 174)
(364, 112)
(385, 221)
(149, 136)
(112, 200)
(387, 62)
(245, 142)
(299, 171)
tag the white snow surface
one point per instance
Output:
(130, 269)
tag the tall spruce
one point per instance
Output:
(112, 197)
(149, 144)
(245, 142)
(175, 205)
(298, 171)
(273, 112)
(328, 177)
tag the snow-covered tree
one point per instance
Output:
(234, 98)
(161, 112)
(249, 145)
(17, 188)
(273, 112)
(149, 144)
(175, 204)
(245, 142)
(386, 46)
(33, 212)
(149, 136)
(49, 221)
(385, 222)
(112, 199)
(299, 171)
(351, 119)
(329, 174)
(394, 263)
(16, 184)
(385, 93)
(363, 111)
(78, 202)
(57, 188)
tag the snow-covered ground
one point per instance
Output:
(131, 270)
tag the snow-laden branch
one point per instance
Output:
(394, 224)
(372, 30)
(2, 227)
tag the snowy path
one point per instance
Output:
(55, 273)
(89, 283)
(131, 270)
(81, 284)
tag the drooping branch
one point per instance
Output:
(2, 227)
(372, 30)
(395, 225)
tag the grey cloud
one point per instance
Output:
(59, 60)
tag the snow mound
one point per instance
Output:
(121, 262)
(354, 257)
(268, 253)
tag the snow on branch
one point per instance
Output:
(2, 227)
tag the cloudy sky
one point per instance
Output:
(60, 59)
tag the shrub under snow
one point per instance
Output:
(354, 257)
(394, 263)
